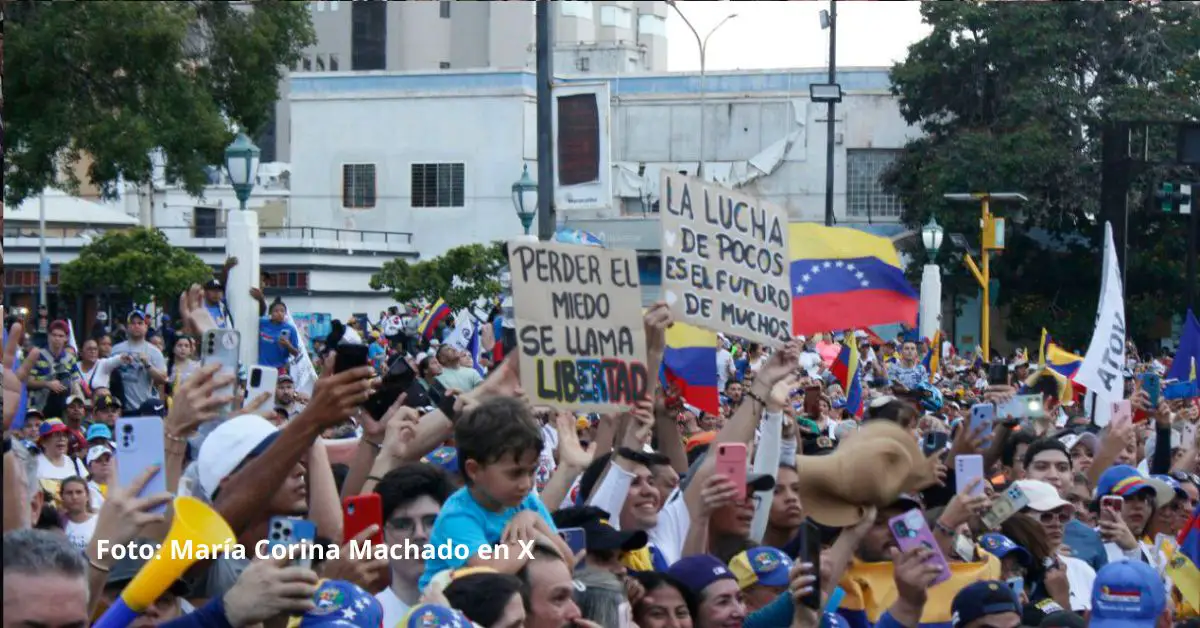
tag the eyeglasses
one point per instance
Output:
(408, 525)
(1063, 515)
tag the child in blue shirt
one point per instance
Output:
(277, 339)
(498, 443)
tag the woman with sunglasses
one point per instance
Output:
(1067, 580)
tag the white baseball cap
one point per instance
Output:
(96, 451)
(229, 445)
(1042, 496)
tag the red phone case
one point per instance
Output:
(358, 513)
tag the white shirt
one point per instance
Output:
(393, 608)
(80, 534)
(98, 375)
(49, 471)
(97, 498)
(724, 368)
(1080, 578)
(673, 519)
(352, 336)
(809, 361)
(391, 325)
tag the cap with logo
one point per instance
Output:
(1127, 594)
(135, 314)
(51, 426)
(1125, 480)
(445, 457)
(153, 407)
(97, 451)
(699, 571)
(434, 616)
(761, 565)
(341, 603)
(980, 599)
(107, 402)
(1000, 546)
(213, 284)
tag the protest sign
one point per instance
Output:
(725, 260)
(579, 326)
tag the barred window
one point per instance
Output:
(358, 186)
(865, 196)
(438, 185)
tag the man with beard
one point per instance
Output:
(143, 367)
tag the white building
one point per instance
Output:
(436, 155)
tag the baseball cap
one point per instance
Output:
(1063, 619)
(80, 398)
(1000, 546)
(59, 325)
(697, 572)
(106, 402)
(980, 599)
(284, 377)
(51, 426)
(1042, 496)
(97, 431)
(95, 452)
(135, 314)
(213, 284)
(152, 407)
(445, 457)
(1087, 439)
(434, 616)
(599, 534)
(1171, 482)
(229, 446)
(1127, 594)
(1125, 480)
(761, 565)
(341, 603)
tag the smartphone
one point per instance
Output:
(934, 442)
(1152, 384)
(731, 462)
(349, 357)
(358, 513)
(1010, 502)
(1112, 504)
(222, 346)
(983, 414)
(810, 552)
(968, 468)
(812, 401)
(441, 399)
(1122, 412)
(288, 531)
(1022, 407)
(397, 381)
(140, 445)
(576, 539)
(261, 379)
(910, 531)
(997, 374)
(508, 341)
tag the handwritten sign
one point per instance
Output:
(579, 325)
(725, 260)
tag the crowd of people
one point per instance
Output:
(609, 520)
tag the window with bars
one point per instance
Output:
(438, 185)
(865, 196)
(358, 186)
(27, 278)
(286, 279)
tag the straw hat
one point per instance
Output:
(882, 461)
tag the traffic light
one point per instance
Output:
(1165, 196)
(1172, 198)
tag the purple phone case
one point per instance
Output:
(911, 531)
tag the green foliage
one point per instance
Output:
(139, 263)
(114, 81)
(462, 276)
(1011, 97)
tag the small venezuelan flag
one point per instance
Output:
(843, 278)
(933, 357)
(846, 369)
(434, 317)
(1062, 361)
(1043, 348)
(690, 363)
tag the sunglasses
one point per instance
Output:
(1063, 515)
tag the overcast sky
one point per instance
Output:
(788, 34)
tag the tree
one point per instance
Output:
(139, 263)
(1011, 97)
(462, 276)
(114, 81)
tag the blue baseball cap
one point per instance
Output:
(444, 457)
(698, 571)
(152, 407)
(98, 430)
(135, 314)
(434, 616)
(1124, 480)
(834, 620)
(1127, 594)
(1172, 483)
(1000, 546)
(980, 599)
(341, 603)
(761, 565)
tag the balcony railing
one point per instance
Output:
(203, 233)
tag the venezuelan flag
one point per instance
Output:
(434, 317)
(1183, 563)
(1062, 361)
(843, 278)
(1188, 353)
(846, 369)
(871, 590)
(1043, 348)
(933, 357)
(690, 362)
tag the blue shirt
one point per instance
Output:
(378, 356)
(1085, 544)
(269, 351)
(218, 313)
(464, 522)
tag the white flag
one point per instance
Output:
(304, 376)
(1104, 365)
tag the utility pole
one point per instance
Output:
(829, 123)
(1114, 187)
(545, 121)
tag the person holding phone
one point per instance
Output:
(1065, 579)
(278, 339)
(1122, 528)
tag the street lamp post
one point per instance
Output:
(525, 199)
(991, 239)
(930, 307)
(702, 43)
(830, 94)
(241, 241)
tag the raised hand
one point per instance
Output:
(571, 454)
(337, 396)
(268, 588)
(195, 400)
(124, 514)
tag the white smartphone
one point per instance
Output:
(222, 346)
(140, 445)
(968, 468)
(261, 379)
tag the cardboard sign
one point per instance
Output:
(579, 326)
(726, 263)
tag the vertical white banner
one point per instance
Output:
(1104, 364)
(582, 146)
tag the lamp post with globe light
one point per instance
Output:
(525, 199)
(930, 307)
(241, 242)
